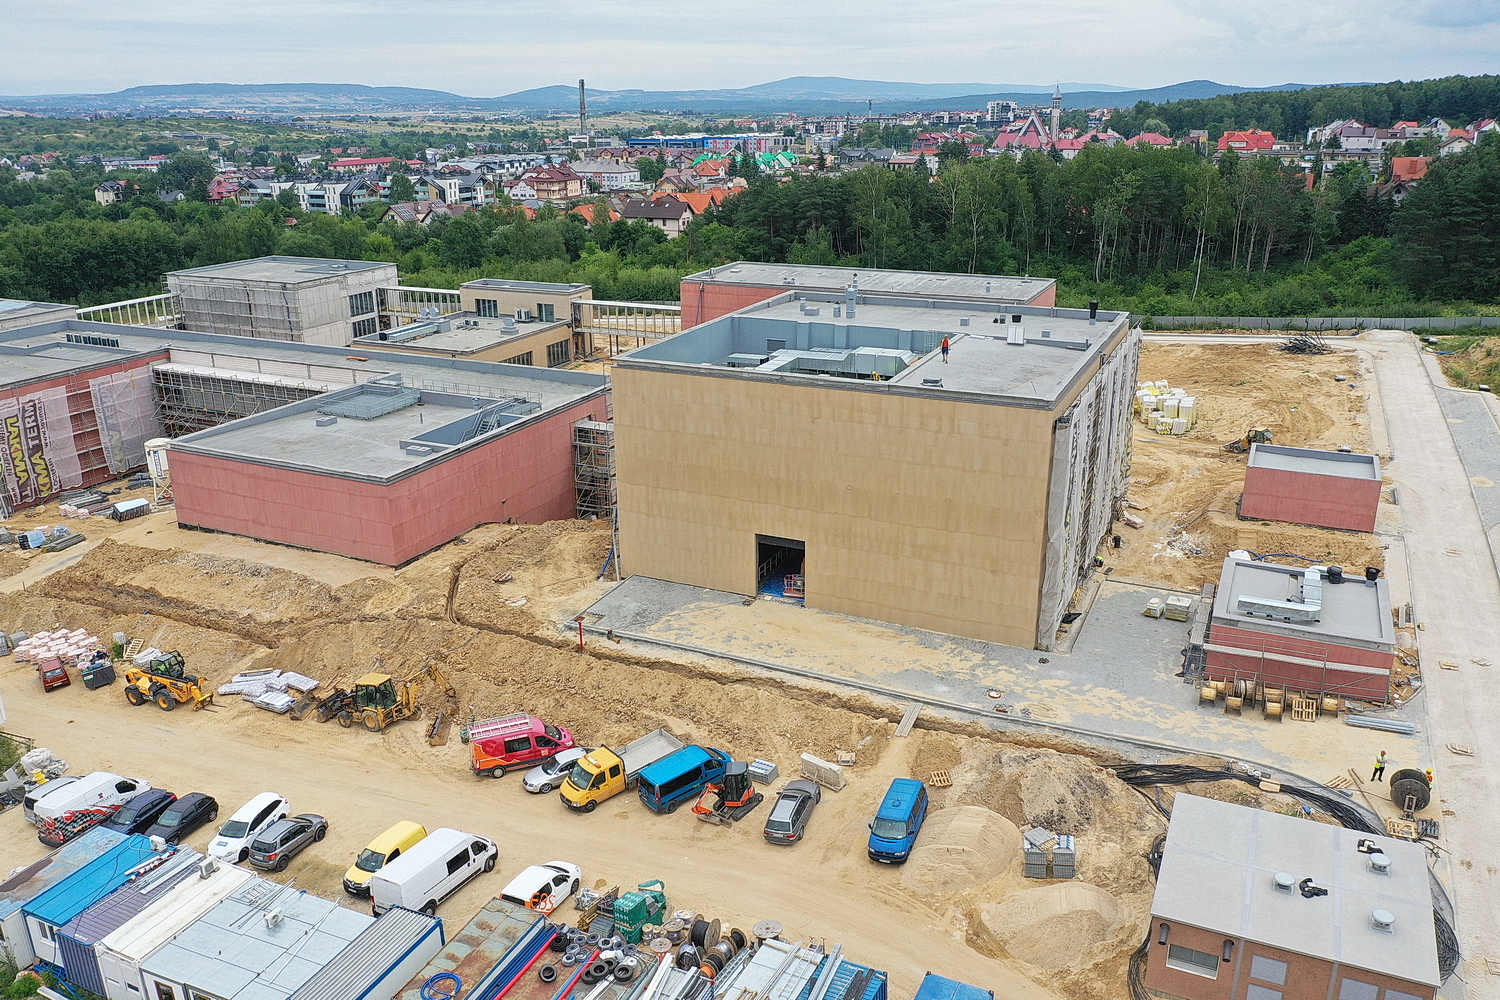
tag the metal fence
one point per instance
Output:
(1316, 323)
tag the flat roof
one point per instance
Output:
(467, 333)
(92, 882)
(1218, 873)
(797, 337)
(929, 284)
(508, 285)
(288, 436)
(1345, 465)
(282, 270)
(1352, 612)
(30, 881)
(14, 309)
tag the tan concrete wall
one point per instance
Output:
(536, 344)
(509, 301)
(923, 512)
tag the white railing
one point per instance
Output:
(406, 304)
(153, 310)
(626, 324)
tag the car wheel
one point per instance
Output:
(282, 862)
(574, 887)
(321, 832)
(673, 807)
(546, 789)
(244, 853)
(591, 807)
(431, 908)
(212, 816)
(489, 863)
(165, 701)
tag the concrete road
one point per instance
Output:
(1456, 599)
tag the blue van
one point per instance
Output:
(673, 780)
(900, 816)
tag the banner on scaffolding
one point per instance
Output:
(23, 461)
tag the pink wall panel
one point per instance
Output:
(525, 476)
(1305, 498)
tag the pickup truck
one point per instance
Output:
(605, 772)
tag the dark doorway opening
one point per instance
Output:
(779, 566)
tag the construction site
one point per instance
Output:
(1054, 729)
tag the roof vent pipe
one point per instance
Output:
(1380, 863)
(1093, 311)
(1383, 921)
(849, 296)
(1285, 881)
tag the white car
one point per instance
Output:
(549, 777)
(232, 843)
(558, 879)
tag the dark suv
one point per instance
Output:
(284, 839)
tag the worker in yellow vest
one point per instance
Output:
(1379, 766)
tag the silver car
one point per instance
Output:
(275, 846)
(549, 777)
(790, 813)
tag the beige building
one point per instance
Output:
(542, 301)
(825, 436)
(478, 338)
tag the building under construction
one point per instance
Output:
(823, 442)
(302, 299)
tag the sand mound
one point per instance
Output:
(960, 848)
(1055, 926)
(1040, 788)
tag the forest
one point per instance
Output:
(1154, 231)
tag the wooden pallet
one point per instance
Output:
(1304, 710)
(134, 647)
(1402, 829)
(940, 779)
(1339, 781)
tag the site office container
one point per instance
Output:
(514, 741)
(673, 780)
(431, 871)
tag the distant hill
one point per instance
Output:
(802, 95)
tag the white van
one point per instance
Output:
(431, 871)
(28, 804)
(100, 789)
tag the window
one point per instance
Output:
(614, 771)
(545, 311)
(1199, 963)
(1268, 970)
(361, 303)
(1398, 995)
(165, 992)
(518, 745)
(559, 353)
(457, 862)
(365, 327)
(1353, 989)
(49, 933)
(199, 995)
(1254, 992)
(488, 308)
(519, 359)
(85, 338)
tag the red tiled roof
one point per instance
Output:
(1409, 168)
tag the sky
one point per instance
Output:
(486, 48)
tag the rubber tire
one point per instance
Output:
(282, 862)
(489, 864)
(547, 973)
(624, 973)
(591, 806)
(559, 944)
(345, 720)
(496, 772)
(320, 833)
(165, 701)
(243, 856)
(430, 908)
(574, 889)
(212, 816)
(134, 696)
(546, 789)
(673, 807)
(370, 721)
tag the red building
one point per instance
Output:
(1327, 489)
(722, 290)
(1305, 630)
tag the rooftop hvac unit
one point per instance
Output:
(1380, 863)
(1015, 334)
(158, 844)
(1285, 882)
(1383, 921)
(207, 867)
(274, 917)
(523, 315)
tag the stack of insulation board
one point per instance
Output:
(1165, 409)
(67, 646)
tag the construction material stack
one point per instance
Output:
(1166, 409)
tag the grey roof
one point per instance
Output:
(488, 332)
(379, 948)
(1354, 613)
(14, 312)
(509, 285)
(666, 208)
(283, 270)
(1345, 465)
(474, 951)
(924, 284)
(287, 436)
(119, 907)
(233, 951)
(900, 337)
(1218, 873)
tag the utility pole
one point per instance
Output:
(583, 110)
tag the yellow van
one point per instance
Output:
(384, 849)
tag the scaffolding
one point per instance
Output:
(265, 310)
(626, 325)
(594, 468)
(189, 401)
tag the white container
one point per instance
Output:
(156, 458)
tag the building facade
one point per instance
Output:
(1328, 489)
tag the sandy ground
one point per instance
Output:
(1190, 487)
(488, 603)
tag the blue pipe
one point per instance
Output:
(429, 988)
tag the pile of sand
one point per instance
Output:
(960, 848)
(1040, 788)
(11, 564)
(1066, 925)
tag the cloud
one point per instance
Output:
(484, 48)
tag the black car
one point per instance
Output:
(141, 813)
(274, 848)
(791, 811)
(184, 816)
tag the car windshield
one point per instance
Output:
(234, 829)
(889, 829)
(551, 731)
(778, 825)
(369, 861)
(169, 818)
(127, 815)
(580, 776)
